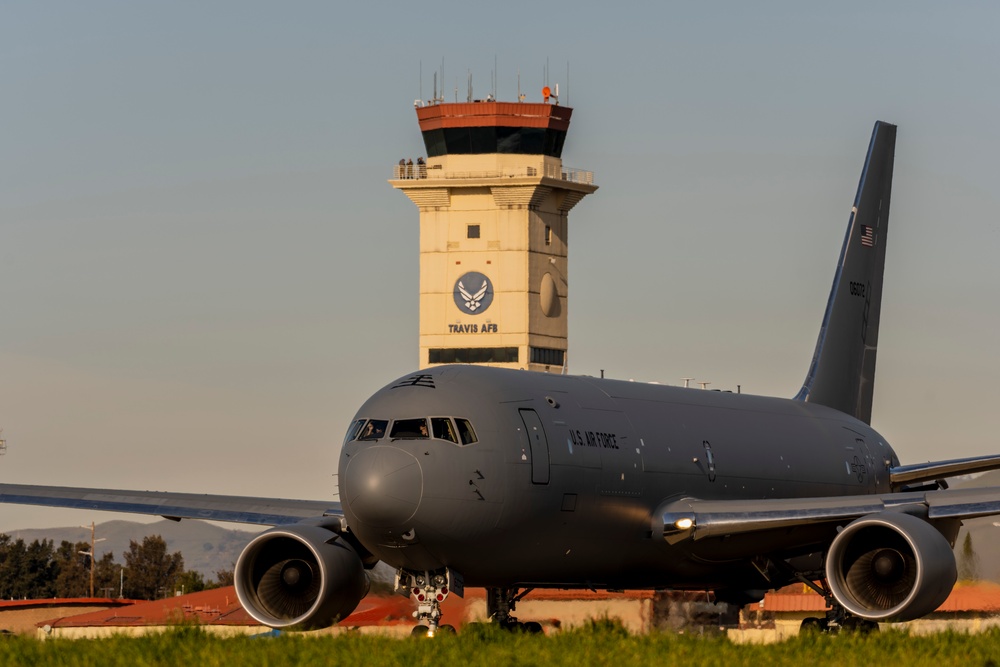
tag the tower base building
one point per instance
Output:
(494, 201)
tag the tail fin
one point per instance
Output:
(842, 372)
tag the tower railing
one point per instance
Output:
(402, 172)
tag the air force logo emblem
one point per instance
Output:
(473, 293)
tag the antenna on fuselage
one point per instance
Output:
(687, 382)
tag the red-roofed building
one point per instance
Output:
(217, 610)
(21, 616)
(969, 608)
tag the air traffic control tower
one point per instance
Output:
(494, 200)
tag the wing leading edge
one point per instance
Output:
(176, 506)
(690, 518)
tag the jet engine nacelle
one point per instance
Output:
(301, 575)
(890, 567)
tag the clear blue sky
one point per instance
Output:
(203, 272)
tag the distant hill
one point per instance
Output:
(206, 547)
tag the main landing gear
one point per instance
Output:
(500, 602)
(837, 618)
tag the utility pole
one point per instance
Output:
(90, 553)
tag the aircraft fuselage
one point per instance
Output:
(564, 480)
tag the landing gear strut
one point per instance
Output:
(500, 602)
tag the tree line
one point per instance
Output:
(40, 570)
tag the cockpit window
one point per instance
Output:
(354, 429)
(443, 429)
(465, 431)
(374, 429)
(409, 428)
(453, 430)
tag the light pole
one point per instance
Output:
(90, 553)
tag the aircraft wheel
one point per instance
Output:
(447, 630)
(533, 628)
(419, 631)
(812, 624)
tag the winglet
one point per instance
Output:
(842, 372)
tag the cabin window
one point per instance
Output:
(409, 429)
(443, 429)
(374, 429)
(466, 432)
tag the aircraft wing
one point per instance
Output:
(694, 519)
(934, 470)
(176, 506)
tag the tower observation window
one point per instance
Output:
(491, 139)
(473, 355)
(548, 356)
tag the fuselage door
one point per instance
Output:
(539, 446)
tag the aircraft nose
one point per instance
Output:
(383, 485)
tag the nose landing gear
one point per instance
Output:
(429, 590)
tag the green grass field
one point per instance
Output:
(600, 644)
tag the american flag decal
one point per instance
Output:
(867, 236)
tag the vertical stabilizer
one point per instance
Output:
(842, 372)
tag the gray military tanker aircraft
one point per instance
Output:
(511, 480)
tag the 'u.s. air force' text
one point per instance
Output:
(593, 439)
